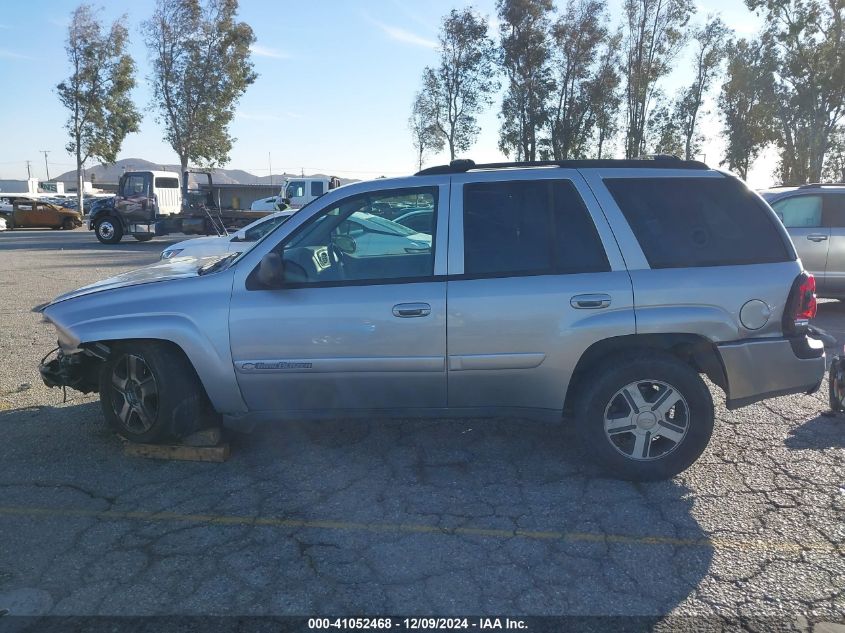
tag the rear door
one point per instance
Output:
(833, 211)
(802, 215)
(535, 278)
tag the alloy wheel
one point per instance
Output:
(646, 419)
(135, 394)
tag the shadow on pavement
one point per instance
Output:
(819, 433)
(443, 517)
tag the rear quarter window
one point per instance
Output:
(693, 222)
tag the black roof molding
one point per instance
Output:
(659, 161)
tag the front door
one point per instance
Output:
(535, 277)
(360, 322)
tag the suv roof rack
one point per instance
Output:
(659, 161)
(816, 185)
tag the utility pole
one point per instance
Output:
(46, 166)
(28, 170)
(270, 162)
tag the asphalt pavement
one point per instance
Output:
(442, 517)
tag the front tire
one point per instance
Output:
(68, 224)
(644, 416)
(108, 231)
(149, 393)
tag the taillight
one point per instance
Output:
(801, 305)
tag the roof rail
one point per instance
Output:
(658, 161)
(816, 185)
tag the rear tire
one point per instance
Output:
(150, 392)
(108, 230)
(644, 416)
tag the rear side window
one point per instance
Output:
(834, 210)
(690, 222)
(529, 227)
(316, 188)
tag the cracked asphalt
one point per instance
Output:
(401, 517)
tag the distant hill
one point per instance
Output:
(110, 174)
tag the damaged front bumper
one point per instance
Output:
(79, 371)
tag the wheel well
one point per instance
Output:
(103, 350)
(697, 351)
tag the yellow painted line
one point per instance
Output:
(759, 545)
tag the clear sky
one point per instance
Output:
(335, 86)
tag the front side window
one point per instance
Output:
(529, 227)
(799, 211)
(692, 222)
(296, 189)
(134, 186)
(354, 241)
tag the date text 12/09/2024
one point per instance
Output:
(416, 623)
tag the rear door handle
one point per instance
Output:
(407, 310)
(590, 302)
(816, 237)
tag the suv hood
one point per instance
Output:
(179, 268)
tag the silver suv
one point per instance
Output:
(594, 291)
(814, 215)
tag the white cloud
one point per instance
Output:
(402, 35)
(272, 53)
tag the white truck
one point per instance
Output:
(150, 203)
(296, 193)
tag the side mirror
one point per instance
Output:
(271, 271)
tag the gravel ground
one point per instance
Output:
(405, 517)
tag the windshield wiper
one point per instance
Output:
(215, 266)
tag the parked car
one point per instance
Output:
(421, 220)
(37, 214)
(814, 215)
(216, 245)
(596, 292)
(2, 223)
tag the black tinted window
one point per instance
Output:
(317, 188)
(167, 183)
(834, 210)
(684, 222)
(531, 226)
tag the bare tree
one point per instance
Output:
(654, 34)
(524, 31)
(201, 67)
(462, 84)
(98, 91)
(423, 121)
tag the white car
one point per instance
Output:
(220, 244)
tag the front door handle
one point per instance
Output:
(817, 237)
(590, 302)
(407, 310)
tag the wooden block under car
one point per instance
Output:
(219, 453)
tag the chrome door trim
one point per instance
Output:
(466, 362)
(342, 365)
